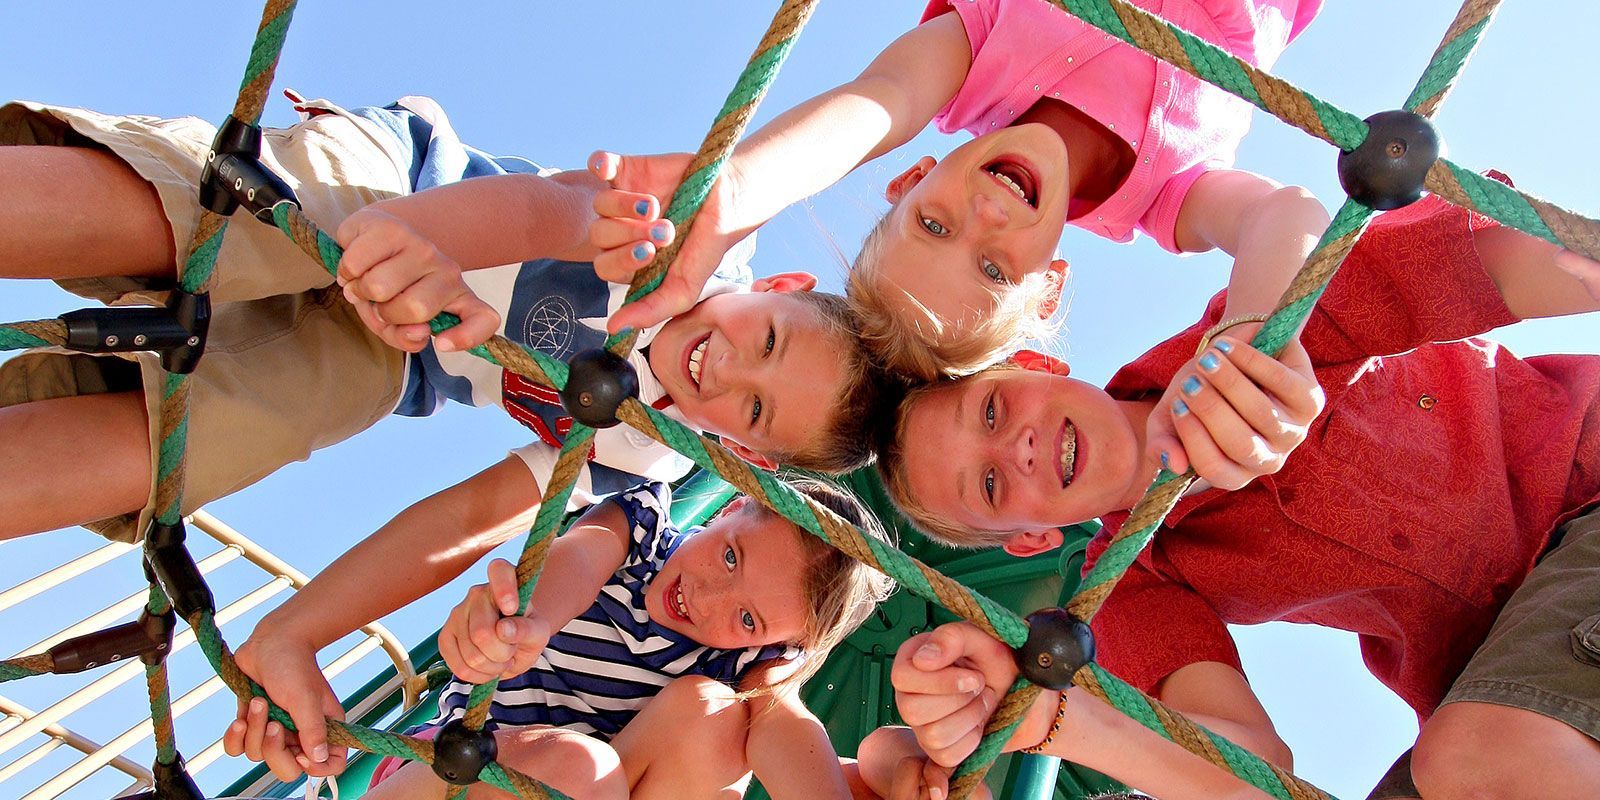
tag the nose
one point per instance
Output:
(1023, 449)
(988, 211)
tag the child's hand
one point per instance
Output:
(922, 779)
(628, 232)
(1586, 271)
(398, 281)
(946, 685)
(484, 638)
(1235, 413)
(287, 669)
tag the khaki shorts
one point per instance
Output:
(288, 368)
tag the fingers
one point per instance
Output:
(942, 735)
(624, 205)
(530, 635)
(924, 665)
(626, 234)
(907, 783)
(1289, 379)
(503, 586)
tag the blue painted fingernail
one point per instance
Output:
(1179, 407)
(1191, 386)
(658, 232)
(1224, 345)
(641, 252)
(1166, 462)
(1209, 362)
(642, 207)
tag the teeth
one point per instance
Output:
(694, 361)
(677, 601)
(1069, 453)
(1010, 184)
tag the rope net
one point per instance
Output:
(1115, 17)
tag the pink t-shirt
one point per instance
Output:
(1178, 126)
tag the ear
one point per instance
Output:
(749, 455)
(1032, 543)
(1055, 280)
(733, 507)
(785, 282)
(1035, 361)
(903, 182)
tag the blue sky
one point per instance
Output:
(554, 81)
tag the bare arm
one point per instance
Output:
(504, 219)
(1536, 278)
(788, 747)
(1268, 229)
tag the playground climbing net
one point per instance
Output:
(1386, 161)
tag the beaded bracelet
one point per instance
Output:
(1055, 727)
(1211, 332)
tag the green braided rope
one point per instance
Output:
(34, 333)
(174, 446)
(1211, 63)
(1460, 40)
(20, 667)
(263, 60)
(160, 693)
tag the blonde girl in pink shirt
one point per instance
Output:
(1072, 127)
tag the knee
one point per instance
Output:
(580, 766)
(705, 704)
(1453, 760)
(881, 752)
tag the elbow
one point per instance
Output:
(1274, 751)
(1297, 206)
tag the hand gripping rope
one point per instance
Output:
(1387, 161)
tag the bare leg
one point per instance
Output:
(688, 742)
(1536, 278)
(52, 452)
(1476, 750)
(74, 212)
(579, 766)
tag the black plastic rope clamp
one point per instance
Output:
(598, 382)
(460, 753)
(234, 175)
(173, 781)
(149, 638)
(1389, 169)
(175, 569)
(177, 331)
(1058, 645)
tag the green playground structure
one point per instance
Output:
(1389, 159)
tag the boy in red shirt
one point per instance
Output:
(1443, 508)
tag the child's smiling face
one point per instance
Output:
(970, 227)
(738, 583)
(1018, 451)
(755, 367)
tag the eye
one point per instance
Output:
(729, 557)
(755, 411)
(934, 227)
(772, 339)
(748, 621)
(988, 486)
(988, 412)
(993, 272)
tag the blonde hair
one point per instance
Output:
(908, 342)
(840, 591)
(892, 448)
(842, 443)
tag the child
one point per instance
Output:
(1072, 126)
(659, 637)
(290, 369)
(1444, 508)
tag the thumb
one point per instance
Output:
(1162, 444)
(524, 632)
(670, 299)
(304, 702)
(503, 586)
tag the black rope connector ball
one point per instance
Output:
(598, 381)
(1058, 645)
(460, 753)
(1389, 169)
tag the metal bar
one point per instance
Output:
(59, 736)
(130, 671)
(126, 607)
(65, 572)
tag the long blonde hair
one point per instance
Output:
(907, 342)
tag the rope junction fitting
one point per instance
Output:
(1055, 643)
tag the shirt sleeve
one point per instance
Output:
(1152, 626)
(650, 531)
(1160, 220)
(1414, 277)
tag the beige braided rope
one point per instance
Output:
(1473, 12)
(52, 331)
(37, 663)
(253, 96)
(156, 686)
(174, 413)
(1012, 708)
(1152, 507)
(1578, 233)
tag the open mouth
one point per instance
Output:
(676, 605)
(1016, 177)
(1067, 447)
(693, 361)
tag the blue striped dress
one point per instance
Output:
(604, 666)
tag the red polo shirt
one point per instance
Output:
(1420, 500)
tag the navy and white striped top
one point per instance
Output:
(604, 666)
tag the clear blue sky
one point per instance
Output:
(554, 81)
